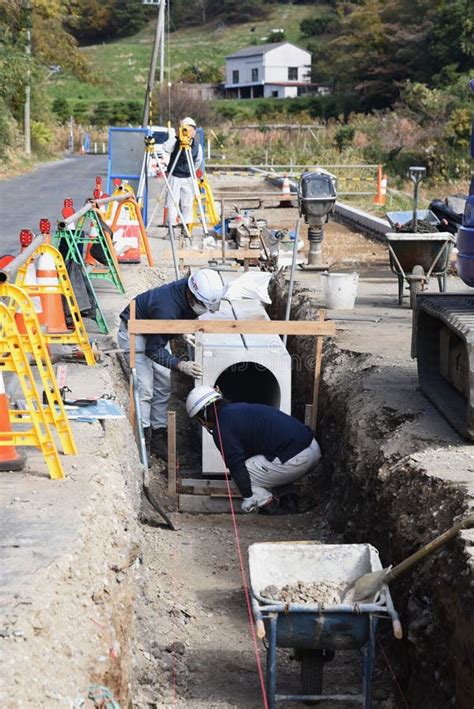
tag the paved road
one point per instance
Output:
(26, 199)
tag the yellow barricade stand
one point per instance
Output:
(78, 334)
(33, 344)
(208, 204)
(14, 358)
(114, 212)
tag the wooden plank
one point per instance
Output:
(326, 328)
(317, 374)
(132, 365)
(205, 486)
(203, 504)
(172, 452)
(189, 255)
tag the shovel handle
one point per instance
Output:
(429, 548)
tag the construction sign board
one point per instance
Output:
(126, 153)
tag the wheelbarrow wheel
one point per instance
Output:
(312, 663)
(416, 284)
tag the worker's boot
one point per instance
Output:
(147, 435)
(159, 443)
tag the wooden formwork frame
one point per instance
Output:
(318, 328)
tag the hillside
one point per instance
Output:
(122, 66)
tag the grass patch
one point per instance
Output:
(122, 66)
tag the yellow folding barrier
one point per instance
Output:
(208, 204)
(78, 334)
(14, 358)
(33, 343)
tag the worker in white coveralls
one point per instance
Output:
(184, 299)
(179, 176)
(262, 447)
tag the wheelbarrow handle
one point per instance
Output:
(397, 629)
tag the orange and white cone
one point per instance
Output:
(26, 237)
(10, 459)
(285, 193)
(53, 313)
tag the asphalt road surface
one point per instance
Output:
(40, 194)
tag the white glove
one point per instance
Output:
(190, 340)
(260, 498)
(192, 369)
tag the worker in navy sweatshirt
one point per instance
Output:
(184, 299)
(262, 447)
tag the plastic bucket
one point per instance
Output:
(340, 290)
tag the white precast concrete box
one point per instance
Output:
(251, 368)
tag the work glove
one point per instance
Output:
(192, 369)
(190, 340)
(260, 498)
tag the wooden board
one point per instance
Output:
(190, 256)
(205, 486)
(232, 327)
(203, 504)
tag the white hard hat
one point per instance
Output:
(207, 287)
(199, 398)
(188, 122)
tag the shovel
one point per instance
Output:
(366, 587)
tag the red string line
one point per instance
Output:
(395, 681)
(243, 572)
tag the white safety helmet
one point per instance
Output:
(199, 398)
(188, 122)
(206, 286)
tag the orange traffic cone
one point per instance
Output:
(53, 313)
(285, 193)
(26, 237)
(381, 196)
(10, 459)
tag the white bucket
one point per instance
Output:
(340, 290)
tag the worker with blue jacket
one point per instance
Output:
(262, 447)
(184, 299)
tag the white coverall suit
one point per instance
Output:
(180, 181)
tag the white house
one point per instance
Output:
(281, 70)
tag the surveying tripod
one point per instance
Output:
(185, 139)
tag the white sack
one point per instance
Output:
(253, 284)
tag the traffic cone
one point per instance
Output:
(285, 193)
(26, 237)
(53, 312)
(10, 458)
(381, 196)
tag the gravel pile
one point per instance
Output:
(310, 592)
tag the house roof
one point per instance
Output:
(258, 49)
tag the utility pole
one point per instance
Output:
(159, 34)
(27, 110)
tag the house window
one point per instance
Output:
(292, 73)
(235, 76)
(254, 74)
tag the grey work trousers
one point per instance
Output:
(154, 381)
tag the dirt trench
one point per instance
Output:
(385, 481)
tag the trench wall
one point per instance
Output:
(384, 482)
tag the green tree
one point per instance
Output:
(61, 108)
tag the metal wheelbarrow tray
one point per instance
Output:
(316, 630)
(416, 257)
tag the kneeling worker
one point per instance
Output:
(262, 447)
(184, 299)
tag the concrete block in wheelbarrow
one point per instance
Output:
(443, 344)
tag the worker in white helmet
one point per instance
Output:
(179, 176)
(262, 447)
(184, 299)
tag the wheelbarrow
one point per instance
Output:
(316, 631)
(414, 258)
